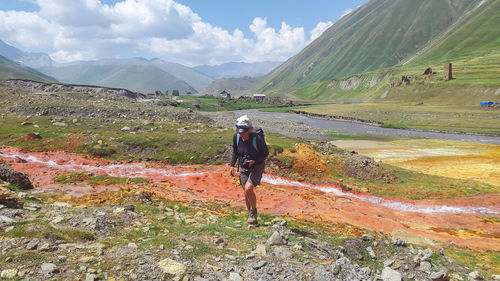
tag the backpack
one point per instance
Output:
(258, 131)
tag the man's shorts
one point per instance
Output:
(254, 174)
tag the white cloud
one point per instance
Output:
(346, 12)
(319, 29)
(88, 29)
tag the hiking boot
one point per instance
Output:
(252, 216)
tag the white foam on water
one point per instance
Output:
(114, 170)
(395, 205)
(136, 170)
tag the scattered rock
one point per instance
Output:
(367, 237)
(130, 208)
(57, 219)
(389, 274)
(260, 250)
(399, 242)
(170, 266)
(6, 220)
(33, 244)
(439, 276)
(233, 276)
(425, 266)
(49, 268)
(60, 124)
(371, 252)
(275, 239)
(475, 275)
(336, 268)
(282, 253)
(8, 273)
(366, 168)
(125, 129)
(9, 175)
(259, 265)
(61, 204)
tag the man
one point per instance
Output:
(251, 151)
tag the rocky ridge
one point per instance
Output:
(55, 87)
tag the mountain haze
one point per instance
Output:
(379, 34)
(235, 86)
(12, 70)
(192, 77)
(140, 78)
(238, 69)
(33, 60)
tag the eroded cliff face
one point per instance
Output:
(55, 87)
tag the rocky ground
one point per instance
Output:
(130, 235)
(147, 239)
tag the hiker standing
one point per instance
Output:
(250, 149)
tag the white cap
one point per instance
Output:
(243, 124)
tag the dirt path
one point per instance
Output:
(463, 221)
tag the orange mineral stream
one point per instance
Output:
(462, 221)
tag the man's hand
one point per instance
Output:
(233, 171)
(250, 163)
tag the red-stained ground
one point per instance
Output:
(208, 183)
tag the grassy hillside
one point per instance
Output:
(476, 35)
(235, 86)
(12, 70)
(140, 78)
(380, 34)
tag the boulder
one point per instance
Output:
(9, 199)
(439, 276)
(9, 175)
(172, 267)
(389, 274)
(275, 239)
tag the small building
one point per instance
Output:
(225, 95)
(259, 97)
(448, 72)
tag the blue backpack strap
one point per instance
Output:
(237, 139)
(255, 143)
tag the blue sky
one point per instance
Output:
(190, 32)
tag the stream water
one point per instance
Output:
(458, 220)
(136, 170)
(361, 128)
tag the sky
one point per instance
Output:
(190, 32)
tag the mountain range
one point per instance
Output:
(136, 74)
(238, 69)
(384, 34)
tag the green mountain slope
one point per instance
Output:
(194, 78)
(476, 35)
(380, 34)
(12, 70)
(140, 78)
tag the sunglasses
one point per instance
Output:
(241, 127)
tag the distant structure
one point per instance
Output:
(259, 97)
(225, 94)
(448, 75)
